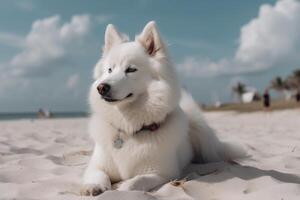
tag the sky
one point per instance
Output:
(48, 48)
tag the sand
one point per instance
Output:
(44, 159)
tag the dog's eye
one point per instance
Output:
(109, 70)
(130, 70)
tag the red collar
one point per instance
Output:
(151, 127)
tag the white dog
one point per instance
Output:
(146, 129)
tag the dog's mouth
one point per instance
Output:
(110, 99)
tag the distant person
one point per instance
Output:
(266, 99)
(42, 113)
(298, 96)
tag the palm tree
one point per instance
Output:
(239, 89)
(293, 82)
(280, 86)
(297, 73)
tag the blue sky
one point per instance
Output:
(48, 48)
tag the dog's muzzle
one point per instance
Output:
(103, 89)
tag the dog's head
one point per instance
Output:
(128, 70)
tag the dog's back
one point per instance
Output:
(206, 146)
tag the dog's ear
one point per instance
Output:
(151, 40)
(112, 37)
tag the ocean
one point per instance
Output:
(33, 115)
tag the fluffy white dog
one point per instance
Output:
(145, 127)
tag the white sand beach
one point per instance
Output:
(44, 159)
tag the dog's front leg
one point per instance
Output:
(95, 181)
(144, 182)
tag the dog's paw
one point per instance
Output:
(144, 182)
(92, 190)
(131, 184)
(126, 186)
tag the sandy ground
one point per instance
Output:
(44, 159)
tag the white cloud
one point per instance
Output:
(73, 81)
(270, 39)
(47, 55)
(194, 66)
(272, 36)
(49, 41)
(49, 45)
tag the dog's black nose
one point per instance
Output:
(103, 89)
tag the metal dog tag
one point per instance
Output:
(118, 142)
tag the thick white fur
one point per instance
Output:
(147, 159)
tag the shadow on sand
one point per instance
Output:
(222, 171)
(208, 173)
